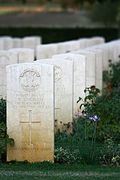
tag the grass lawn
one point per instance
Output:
(47, 171)
(48, 5)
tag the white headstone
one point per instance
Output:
(6, 58)
(17, 42)
(8, 42)
(68, 46)
(89, 67)
(31, 42)
(46, 51)
(1, 44)
(98, 40)
(98, 66)
(24, 55)
(106, 55)
(95, 40)
(63, 47)
(75, 45)
(114, 50)
(83, 43)
(30, 112)
(79, 76)
(116, 55)
(63, 90)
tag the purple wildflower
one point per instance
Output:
(91, 118)
(94, 118)
(85, 114)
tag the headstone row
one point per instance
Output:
(12, 56)
(22, 55)
(39, 94)
(111, 51)
(45, 92)
(7, 42)
(48, 50)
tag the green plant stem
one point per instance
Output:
(94, 140)
(85, 130)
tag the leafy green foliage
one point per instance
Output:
(96, 129)
(112, 75)
(67, 156)
(73, 148)
(2, 110)
(110, 153)
(109, 11)
(4, 138)
(106, 108)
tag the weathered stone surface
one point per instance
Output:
(63, 47)
(46, 51)
(8, 42)
(79, 76)
(75, 45)
(95, 40)
(1, 44)
(63, 90)
(106, 55)
(114, 50)
(6, 58)
(111, 51)
(30, 112)
(67, 46)
(17, 42)
(83, 43)
(98, 66)
(89, 67)
(31, 42)
(23, 54)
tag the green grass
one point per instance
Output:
(60, 178)
(20, 5)
(52, 5)
(48, 171)
(47, 5)
(10, 12)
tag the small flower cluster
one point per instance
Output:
(110, 89)
(94, 118)
(85, 115)
(77, 115)
(93, 86)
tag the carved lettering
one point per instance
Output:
(58, 73)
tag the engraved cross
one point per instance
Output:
(30, 122)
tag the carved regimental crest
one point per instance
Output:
(30, 80)
(58, 73)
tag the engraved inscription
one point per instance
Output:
(58, 73)
(32, 101)
(30, 80)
